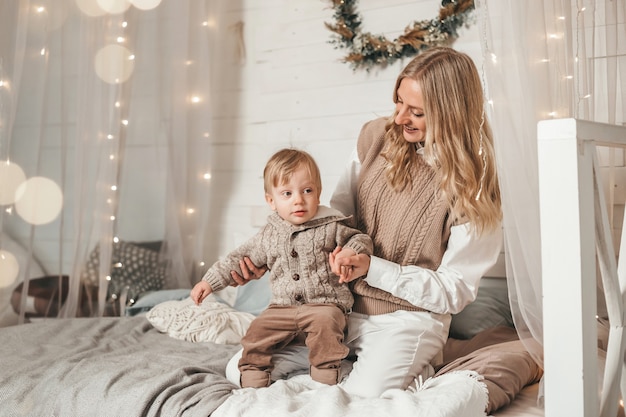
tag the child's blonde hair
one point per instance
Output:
(281, 166)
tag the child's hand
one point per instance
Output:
(347, 264)
(200, 291)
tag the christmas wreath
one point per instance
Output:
(367, 50)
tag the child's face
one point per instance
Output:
(296, 201)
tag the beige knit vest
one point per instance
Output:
(409, 227)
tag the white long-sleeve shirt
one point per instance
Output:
(448, 289)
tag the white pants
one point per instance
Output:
(391, 351)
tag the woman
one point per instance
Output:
(423, 185)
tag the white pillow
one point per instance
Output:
(211, 321)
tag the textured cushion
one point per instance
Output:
(502, 361)
(134, 270)
(211, 321)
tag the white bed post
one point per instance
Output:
(568, 270)
(575, 227)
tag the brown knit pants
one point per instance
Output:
(323, 326)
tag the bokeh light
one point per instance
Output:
(114, 64)
(9, 268)
(145, 4)
(90, 7)
(39, 200)
(11, 177)
(114, 6)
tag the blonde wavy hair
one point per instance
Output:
(458, 141)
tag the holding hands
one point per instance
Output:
(348, 264)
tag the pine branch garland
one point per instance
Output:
(366, 50)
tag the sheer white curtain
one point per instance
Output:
(544, 59)
(110, 103)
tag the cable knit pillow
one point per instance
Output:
(211, 321)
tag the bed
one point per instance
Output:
(167, 357)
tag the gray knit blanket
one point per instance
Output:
(108, 367)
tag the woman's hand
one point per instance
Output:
(200, 291)
(249, 272)
(348, 265)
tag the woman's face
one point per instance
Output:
(410, 111)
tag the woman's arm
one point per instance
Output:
(453, 285)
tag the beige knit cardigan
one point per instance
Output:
(297, 258)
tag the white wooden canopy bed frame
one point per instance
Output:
(576, 242)
(146, 369)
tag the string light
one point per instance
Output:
(579, 86)
(481, 151)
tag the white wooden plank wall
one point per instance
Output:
(292, 90)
